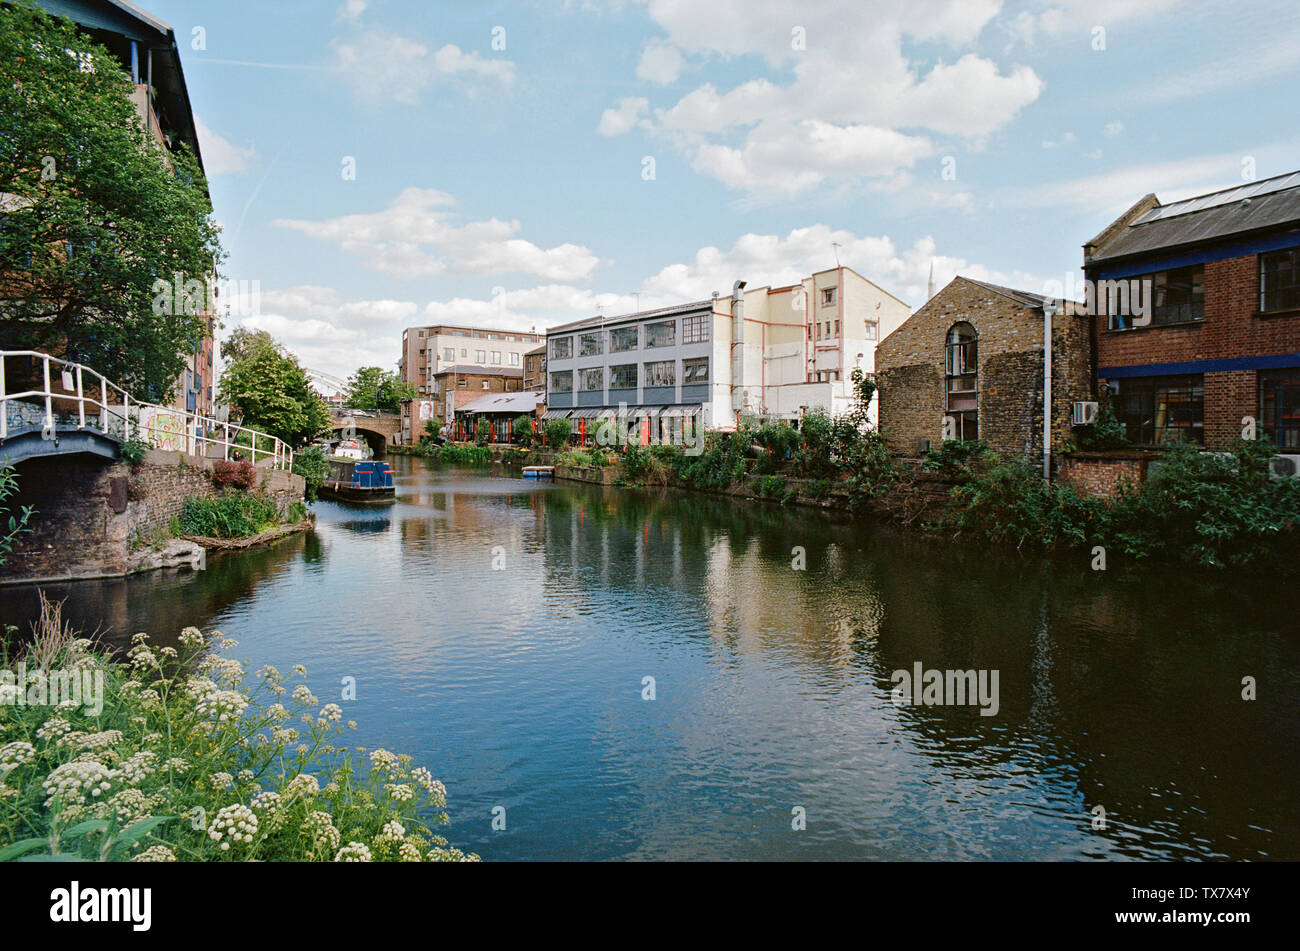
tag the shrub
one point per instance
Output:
(956, 457)
(193, 759)
(559, 432)
(464, 455)
(233, 515)
(1009, 503)
(132, 450)
(819, 488)
(522, 429)
(312, 465)
(234, 475)
(11, 526)
(721, 464)
(1106, 433)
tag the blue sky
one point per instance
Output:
(501, 148)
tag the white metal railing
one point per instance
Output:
(163, 427)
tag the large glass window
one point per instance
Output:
(962, 375)
(448, 353)
(590, 345)
(623, 339)
(480, 356)
(695, 371)
(562, 381)
(1279, 280)
(623, 377)
(1173, 297)
(561, 348)
(1161, 410)
(592, 378)
(696, 329)
(1279, 399)
(663, 373)
(661, 335)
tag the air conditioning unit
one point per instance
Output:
(1284, 466)
(1083, 414)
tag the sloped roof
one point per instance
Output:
(504, 403)
(1272, 203)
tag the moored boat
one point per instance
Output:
(358, 481)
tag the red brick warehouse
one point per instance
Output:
(1210, 335)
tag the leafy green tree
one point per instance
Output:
(98, 217)
(374, 388)
(269, 391)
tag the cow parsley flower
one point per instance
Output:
(73, 782)
(237, 823)
(353, 852)
(156, 853)
(319, 829)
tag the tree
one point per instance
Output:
(106, 239)
(373, 388)
(268, 389)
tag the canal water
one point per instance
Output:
(502, 631)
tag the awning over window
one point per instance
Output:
(557, 414)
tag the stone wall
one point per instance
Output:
(911, 366)
(1100, 474)
(93, 517)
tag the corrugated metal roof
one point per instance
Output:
(503, 403)
(1270, 204)
(556, 414)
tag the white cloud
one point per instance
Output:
(1113, 191)
(415, 236)
(623, 116)
(330, 334)
(848, 106)
(660, 63)
(385, 66)
(352, 9)
(1074, 21)
(1113, 129)
(220, 155)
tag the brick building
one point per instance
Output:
(1197, 324)
(452, 388)
(429, 353)
(535, 369)
(972, 357)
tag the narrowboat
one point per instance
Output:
(351, 481)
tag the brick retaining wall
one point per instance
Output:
(91, 514)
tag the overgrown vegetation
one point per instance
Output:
(313, 466)
(463, 455)
(232, 515)
(12, 524)
(185, 756)
(1213, 509)
(234, 475)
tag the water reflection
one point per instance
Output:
(502, 631)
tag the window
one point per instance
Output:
(623, 377)
(695, 371)
(448, 353)
(562, 381)
(623, 339)
(421, 351)
(486, 384)
(1279, 280)
(1169, 297)
(663, 373)
(462, 381)
(828, 296)
(480, 356)
(661, 335)
(962, 374)
(462, 352)
(496, 356)
(696, 329)
(514, 359)
(590, 345)
(421, 333)
(592, 378)
(561, 348)
(837, 328)
(1161, 410)
(871, 331)
(1279, 400)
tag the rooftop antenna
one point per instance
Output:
(836, 246)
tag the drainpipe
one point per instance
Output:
(1048, 308)
(737, 341)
